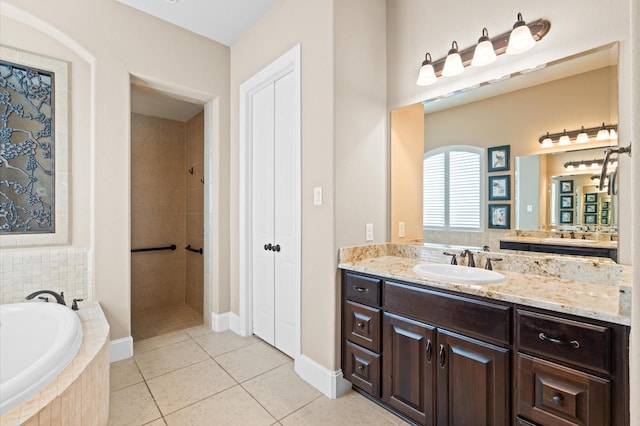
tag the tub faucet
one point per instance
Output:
(59, 297)
(470, 262)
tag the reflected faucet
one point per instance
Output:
(453, 257)
(470, 262)
(59, 297)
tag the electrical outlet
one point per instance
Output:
(401, 229)
(368, 232)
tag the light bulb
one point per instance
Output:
(427, 74)
(453, 64)
(484, 54)
(603, 134)
(520, 39)
(582, 137)
(564, 139)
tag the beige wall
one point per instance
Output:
(407, 152)
(106, 42)
(158, 211)
(343, 143)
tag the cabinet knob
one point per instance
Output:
(268, 246)
(276, 247)
(360, 368)
(359, 324)
(557, 399)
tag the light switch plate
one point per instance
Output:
(401, 229)
(317, 196)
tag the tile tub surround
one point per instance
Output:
(80, 394)
(591, 289)
(23, 271)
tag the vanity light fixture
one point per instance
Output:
(582, 166)
(581, 136)
(484, 53)
(480, 54)
(453, 64)
(569, 166)
(427, 74)
(595, 164)
(564, 139)
(520, 39)
(547, 142)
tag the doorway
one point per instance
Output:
(167, 213)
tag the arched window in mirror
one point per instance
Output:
(452, 188)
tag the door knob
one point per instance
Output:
(276, 247)
(268, 246)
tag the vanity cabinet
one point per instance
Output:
(444, 358)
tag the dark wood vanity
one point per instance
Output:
(443, 358)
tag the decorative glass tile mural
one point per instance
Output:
(26, 150)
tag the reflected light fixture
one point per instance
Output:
(595, 164)
(564, 139)
(582, 166)
(486, 50)
(570, 166)
(520, 39)
(547, 142)
(582, 137)
(603, 134)
(484, 54)
(453, 64)
(427, 74)
(613, 134)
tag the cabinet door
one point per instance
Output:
(473, 381)
(409, 360)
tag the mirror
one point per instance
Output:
(516, 111)
(569, 197)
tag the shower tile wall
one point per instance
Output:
(158, 211)
(195, 211)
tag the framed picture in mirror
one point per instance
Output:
(591, 197)
(590, 208)
(500, 216)
(499, 188)
(498, 157)
(605, 205)
(566, 186)
(590, 219)
(566, 201)
(604, 220)
(566, 216)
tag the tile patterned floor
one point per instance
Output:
(198, 377)
(155, 322)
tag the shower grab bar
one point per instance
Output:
(171, 247)
(193, 250)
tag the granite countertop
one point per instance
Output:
(574, 242)
(602, 301)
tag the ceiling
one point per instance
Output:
(223, 21)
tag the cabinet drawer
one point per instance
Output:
(362, 325)
(553, 395)
(488, 321)
(362, 289)
(362, 368)
(575, 342)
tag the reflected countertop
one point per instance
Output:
(557, 241)
(609, 302)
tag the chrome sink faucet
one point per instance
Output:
(470, 262)
(59, 297)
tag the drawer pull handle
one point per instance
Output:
(429, 349)
(361, 289)
(557, 399)
(359, 324)
(573, 343)
(441, 354)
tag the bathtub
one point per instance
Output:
(38, 341)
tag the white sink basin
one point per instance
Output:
(458, 273)
(569, 240)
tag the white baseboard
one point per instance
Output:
(234, 323)
(220, 322)
(120, 349)
(330, 383)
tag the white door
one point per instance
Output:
(275, 224)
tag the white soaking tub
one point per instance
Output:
(37, 341)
